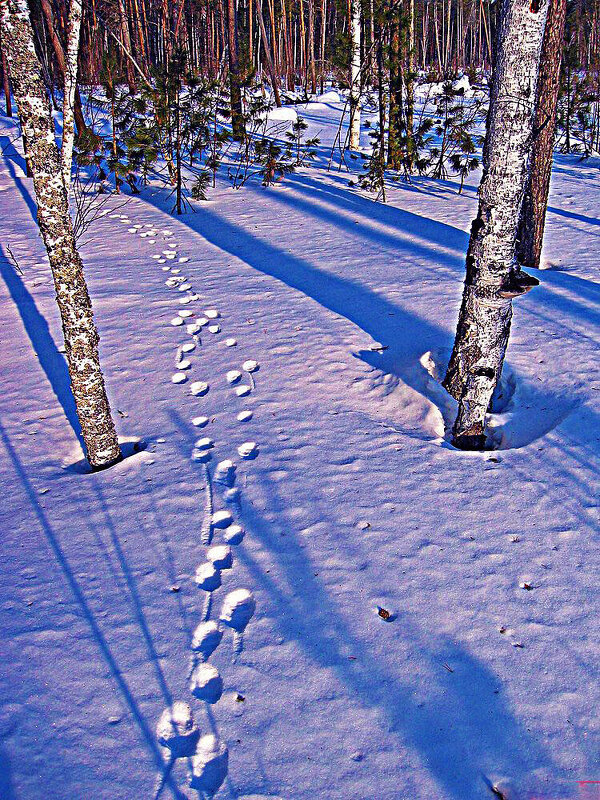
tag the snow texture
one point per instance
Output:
(356, 502)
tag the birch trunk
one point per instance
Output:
(533, 212)
(493, 276)
(68, 138)
(80, 335)
(62, 62)
(354, 141)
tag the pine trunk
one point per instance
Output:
(80, 335)
(5, 83)
(396, 113)
(493, 277)
(235, 87)
(535, 200)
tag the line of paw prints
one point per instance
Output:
(177, 730)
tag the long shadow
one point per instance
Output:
(50, 358)
(12, 157)
(465, 730)
(135, 600)
(572, 215)
(6, 784)
(88, 614)
(405, 335)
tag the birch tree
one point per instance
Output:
(493, 276)
(354, 141)
(73, 34)
(79, 330)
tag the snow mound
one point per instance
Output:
(284, 114)
(329, 97)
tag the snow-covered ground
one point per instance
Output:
(486, 672)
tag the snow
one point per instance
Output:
(286, 114)
(354, 503)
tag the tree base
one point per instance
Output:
(469, 441)
(108, 464)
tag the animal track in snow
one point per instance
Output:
(248, 450)
(208, 577)
(225, 472)
(177, 731)
(199, 388)
(233, 495)
(234, 534)
(206, 639)
(209, 765)
(201, 456)
(220, 556)
(221, 519)
(237, 611)
(206, 684)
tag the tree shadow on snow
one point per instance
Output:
(51, 360)
(465, 733)
(405, 335)
(14, 160)
(7, 791)
(69, 573)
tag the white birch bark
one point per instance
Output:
(493, 276)
(79, 330)
(73, 36)
(355, 80)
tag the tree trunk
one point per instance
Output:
(5, 82)
(126, 39)
(354, 141)
(268, 59)
(235, 86)
(535, 200)
(493, 277)
(61, 61)
(73, 35)
(81, 337)
(396, 114)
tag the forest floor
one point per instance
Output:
(486, 672)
